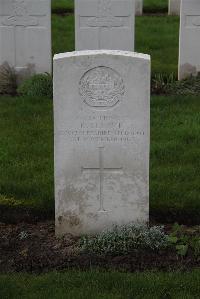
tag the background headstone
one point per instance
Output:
(138, 7)
(101, 113)
(174, 7)
(189, 45)
(25, 35)
(105, 24)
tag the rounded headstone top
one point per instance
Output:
(102, 52)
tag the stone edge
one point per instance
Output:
(102, 52)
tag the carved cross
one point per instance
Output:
(102, 170)
(19, 19)
(20, 15)
(105, 19)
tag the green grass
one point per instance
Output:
(26, 155)
(150, 6)
(157, 36)
(63, 34)
(101, 285)
(26, 128)
(155, 6)
(60, 5)
(175, 148)
(26, 151)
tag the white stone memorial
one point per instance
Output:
(189, 44)
(25, 35)
(104, 24)
(174, 7)
(102, 136)
(138, 7)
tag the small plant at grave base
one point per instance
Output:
(184, 241)
(160, 82)
(167, 84)
(23, 235)
(125, 239)
(8, 79)
(38, 85)
(188, 86)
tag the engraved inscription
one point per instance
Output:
(196, 21)
(104, 21)
(102, 128)
(22, 19)
(192, 21)
(104, 17)
(102, 170)
(20, 16)
(101, 87)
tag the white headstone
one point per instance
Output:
(25, 35)
(101, 113)
(105, 24)
(189, 45)
(138, 7)
(174, 7)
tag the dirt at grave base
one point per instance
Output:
(34, 248)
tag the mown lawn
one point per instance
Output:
(60, 5)
(26, 151)
(154, 6)
(101, 285)
(175, 148)
(26, 129)
(26, 155)
(155, 35)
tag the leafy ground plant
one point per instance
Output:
(184, 240)
(160, 82)
(168, 84)
(189, 86)
(125, 239)
(40, 85)
(8, 79)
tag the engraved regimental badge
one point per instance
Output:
(101, 87)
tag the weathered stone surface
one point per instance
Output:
(138, 7)
(105, 24)
(25, 35)
(174, 7)
(101, 113)
(189, 47)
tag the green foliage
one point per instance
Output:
(195, 245)
(40, 85)
(167, 84)
(184, 240)
(189, 86)
(160, 82)
(125, 239)
(182, 249)
(8, 79)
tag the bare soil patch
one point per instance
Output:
(34, 248)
